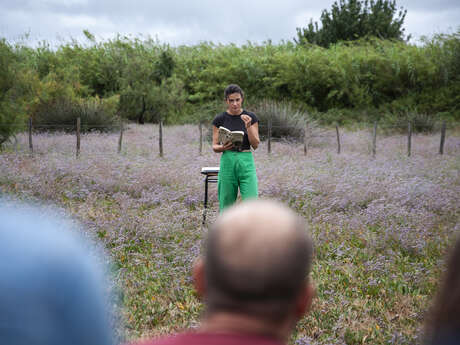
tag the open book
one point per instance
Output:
(226, 136)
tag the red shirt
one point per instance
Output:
(213, 339)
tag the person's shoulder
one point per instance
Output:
(218, 119)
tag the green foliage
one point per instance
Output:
(366, 74)
(62, 113)
(350, 20)
(137, 86)
(11, 106)
(149, 90)
(351, 81)
(164, 66)
(344, 117)
(420, 122)
(98, 114)
(204, 113)
(167, 101)
(354, 337)
(45, 60)
(144, 102)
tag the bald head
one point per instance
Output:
(258, 257)
(257, 234)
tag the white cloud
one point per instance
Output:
(65, 2)
(303, 18)
(81, 22)
(430, 23)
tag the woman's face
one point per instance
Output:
(234, 102)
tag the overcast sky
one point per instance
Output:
(192, 21)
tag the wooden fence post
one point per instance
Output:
(78, 136)
(374, 140)
(305, 138)
(200, 128)
(31, 146)
(409, 139)
(160, 139)
(269, 141)
(120, 139)
(443, 138)
(338, 138)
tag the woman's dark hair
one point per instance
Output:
(233, 88)
(444, 316)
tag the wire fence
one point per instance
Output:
(268, 133)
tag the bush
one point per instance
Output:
(152, 102)
(11, 105)
(9, 125)
(62, 114)
(344, 117)
(288, 121)
(99, 114)
(205, 113)
(420, 122)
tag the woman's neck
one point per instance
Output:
(237, 113)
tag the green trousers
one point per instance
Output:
(237, 170)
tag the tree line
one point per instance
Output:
(366, 79)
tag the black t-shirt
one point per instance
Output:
(234, 123)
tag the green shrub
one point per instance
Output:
(287, 120)
(152, 102)
(420, 122)
(344, 117)
(98, 114)
(345, 82)
(443, 99)
(205, 113)
(62, 114)
(11, 105)
(11, 121)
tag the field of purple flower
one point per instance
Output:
(381, 226)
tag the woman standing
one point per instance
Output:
(237, 168)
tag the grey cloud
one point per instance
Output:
(192, 21)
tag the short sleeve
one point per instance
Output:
(218, 120)
(254, 118)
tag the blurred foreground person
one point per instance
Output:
(253, 277)
(51, 291)
(443, 320)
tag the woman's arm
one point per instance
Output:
(253, 131)
(253, 135)
(215, 141)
